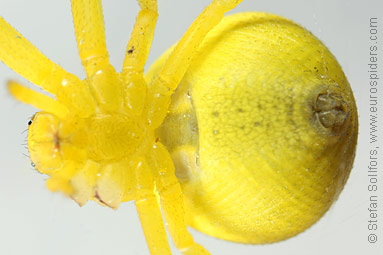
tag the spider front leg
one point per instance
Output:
(21, 56)
(172, 202)
(90, 34)
(102, 78)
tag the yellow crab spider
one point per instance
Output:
(245, 129)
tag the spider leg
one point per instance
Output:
(149, 212)
(21, 56)
(141, 38)
(179, 60)
(24, 58)
(136, 54)
(36, 99)
(116, 183)
(90, 36)
(172, 202)
(60, 178)
(83, 182)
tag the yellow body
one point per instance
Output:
(255, 123)
(257, 159)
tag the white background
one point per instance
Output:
(34, 221)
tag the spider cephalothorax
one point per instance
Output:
(96, 139)
(63, 147)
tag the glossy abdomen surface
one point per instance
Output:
(262, 130)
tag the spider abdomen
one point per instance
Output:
(276, 129)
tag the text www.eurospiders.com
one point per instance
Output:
(373, 167)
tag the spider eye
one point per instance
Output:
(44, 142)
